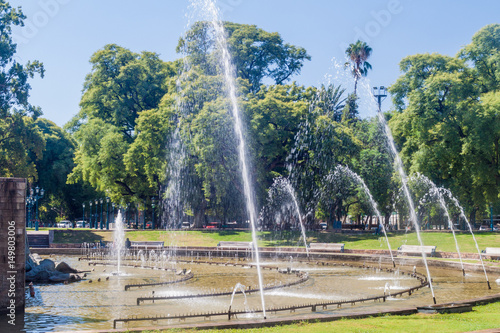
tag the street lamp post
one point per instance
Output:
(144, 218)
(102, 222)
(137, 216)
(491, 216)
(83, 215)
(127, 216)
(107, 213)
(28, 212)
(153, 202)
(96, 213)
(380, 93)
(113, 207)
(36, 196)
(90, 215)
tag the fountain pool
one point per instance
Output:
(95, 305)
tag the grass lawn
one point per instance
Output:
(443, 240)
(481, 318)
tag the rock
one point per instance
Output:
(47, 271)
(65, 268)
(59, 277)
(47, 265)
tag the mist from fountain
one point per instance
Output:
(209, 8)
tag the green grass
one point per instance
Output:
(481, 318)
(443, 240)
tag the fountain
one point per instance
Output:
(118, 240)
(276, 197)
(402, 174)
(345, 170)
(199, 280)
(209, 7)
(462, 214)
(241, 288)
(435, 192)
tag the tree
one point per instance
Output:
(320, 145)
(331, 100)
(375, 164)
(20, 142)
(446, 119)
(114, 128)
(61, 199)
(256, 54)
(483, 52)
(358, 53)
(274, 115)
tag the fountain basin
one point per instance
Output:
(445, 308)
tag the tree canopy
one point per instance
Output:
(256, 54)
(21, 144)
(147, 127)
(447, 115)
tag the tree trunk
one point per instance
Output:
(199, 214)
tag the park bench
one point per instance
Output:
(146, 245)
(326, 247)
(494, 252)
(417, 250)
(235, 245)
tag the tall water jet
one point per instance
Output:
(373, 203)
(462, 214)
(119, 239)
(435, 191)
(172, 205)
(288, 186)
(277, 200)
(208, 6)
(404, 181)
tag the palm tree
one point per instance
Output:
(358, 53)
(331, 100)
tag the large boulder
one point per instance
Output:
(65, 268)
(47, 271)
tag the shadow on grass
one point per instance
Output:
(76, 236)
(294, 238)
(221, 232)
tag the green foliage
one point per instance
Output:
(21, 144)
(446, 124)
(374, 165)
(256, 54)
(358, 54)
(121, 128)
(321, 144)
(275, 114)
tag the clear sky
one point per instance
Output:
(63, 34)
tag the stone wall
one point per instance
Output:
(12, 247)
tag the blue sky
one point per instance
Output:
(63, 34)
